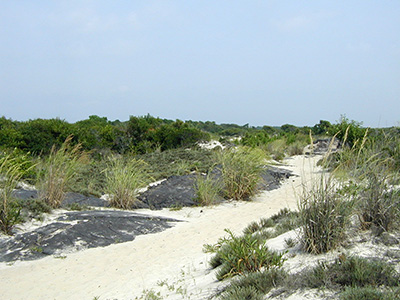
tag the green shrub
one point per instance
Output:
(124, 177)
(324, 215)
(57, 171)
(241, 171)
(240, 255)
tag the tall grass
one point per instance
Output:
(207, 189)
(241, 171)
(124, 177)
(10, 174)
(324, 214)
(57, 171)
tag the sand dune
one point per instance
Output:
(173, 257)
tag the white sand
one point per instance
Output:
(174, 256)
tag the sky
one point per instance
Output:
(269, 62)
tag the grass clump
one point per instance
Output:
(285, 220)
(239, 255)
(369, 293)
(10, 174)
(207, 189)
(351, 271)
(324, 215)
(241, 171)
(253, 285)
(57, 172)
(123, 180)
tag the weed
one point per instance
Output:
(175, 207)
(77, 207)
(149, 295)
(36, 249)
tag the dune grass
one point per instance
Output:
(57, 171)
(207, 188)
(124, 178)
(241, 171)
(324, 216)
(10, 174)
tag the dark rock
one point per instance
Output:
(70, 198)
(179, 190)
(75, 198)
(175, 191)
(77, 230)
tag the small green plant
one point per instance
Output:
(176, 207)
(240, 255)
(149, 295)
(241, 171)
(77, 207)
(124, 178)
(207, 189)
(285, 220)
(57, 172)
(36, 249)
(324, 215)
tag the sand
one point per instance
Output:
(171, 262)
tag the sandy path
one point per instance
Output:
(123, 271)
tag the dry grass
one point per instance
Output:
(57, 172)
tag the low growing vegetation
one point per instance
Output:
(237, 255)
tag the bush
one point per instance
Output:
(124, 177)
(241, 171)
(240, 255)
(57, 172)
(324, 215)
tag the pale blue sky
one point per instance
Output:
(257, 62)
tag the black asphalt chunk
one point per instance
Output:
(79, 230)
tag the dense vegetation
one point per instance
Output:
(96, 156)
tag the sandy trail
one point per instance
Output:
(123, 271)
